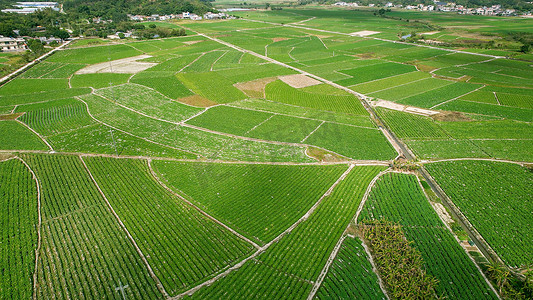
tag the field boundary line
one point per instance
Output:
(131, 134)
(325, 270)
(314, 130)
(457, 239)
(39, 235)
(275, 240)
(333, 163)
(367, 193)
(216, 60)
(450, 100)
(496, 97)
(192, 62)
(375, 268)
(259, 124)
(472, 232)
(139, 251)
(521, 163)
(154, 174)
(36, 133)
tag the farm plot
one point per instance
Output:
(206, 144)
(18, 238)
(439, 95)
(169, 86)
(288, 266)
(350, 276)
(183, 246)
(443, 149)
(98, 80)
(496, 199)
(84, 251)
(411, 89)
(203, 83)
(148, 101)
(374, 72)
(205, 62)
(94, 55)
(229, 119)
(52, 70)
(172, 65)
(258, 201)
(296, 111)
(380, 84)
(398, 198)
(281, 92)
(56, 116)
(513, 113)
(42, 97)
(14, 136)
(353, 142)
(21, 86)
(410, 126)
(522, 101)
(284, 129)
(517, 150)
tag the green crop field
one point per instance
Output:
(495, 198)
(250, 158)
(399, 198)
(351, 275)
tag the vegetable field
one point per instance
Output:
(399, 198)
(495, 197)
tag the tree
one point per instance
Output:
(121, 35)
(525, 48)
(7, 30)
(36, 47)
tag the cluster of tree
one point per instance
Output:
(508, 285)
(118, 10)
(45, 23)
(399, 264)
(159, 32)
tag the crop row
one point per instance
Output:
(399, 199)
(495, 198)
(18, 237)
(259, 201)
(288, 266)
(350, 275)
(84, 252)
(182, 246)
(281, 92)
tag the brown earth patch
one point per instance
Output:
(279, 39)
(323, 155)
(197, 100)
(255, 88)
(451, 116)
(10, 116)
(299, 80)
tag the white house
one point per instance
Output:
(8, 44)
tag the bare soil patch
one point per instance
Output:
(299, 80)
(279, 39)
(364, 33)
(451, 116)
(6, 156)
(197, 100)
(10, 116)
(255, 88)
(128, 65)
(365, 55)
